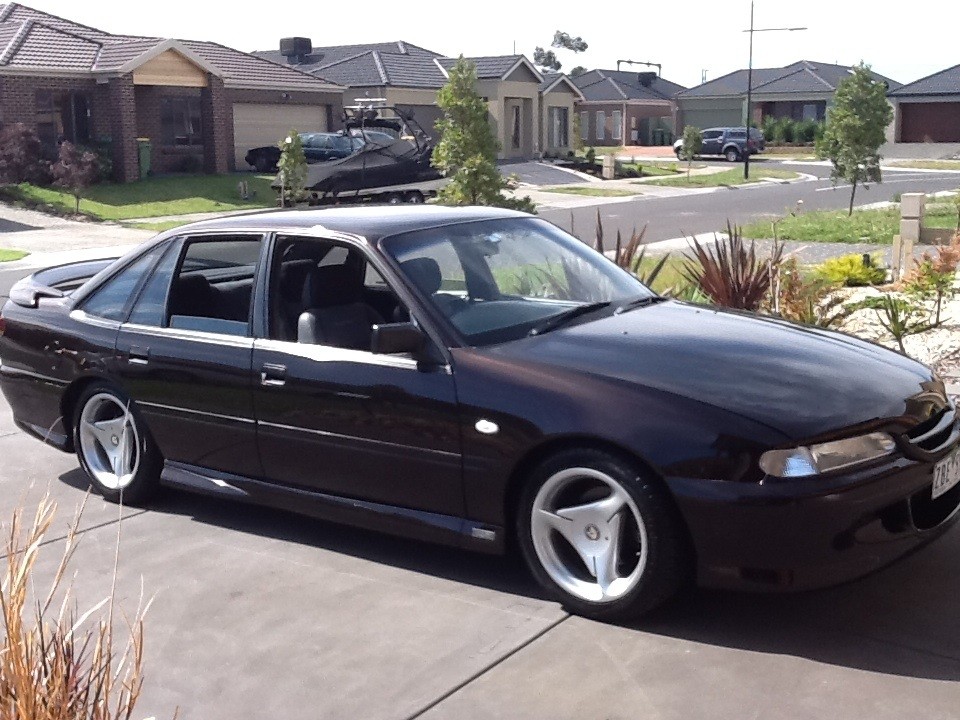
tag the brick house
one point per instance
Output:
(800, 91)
(201, 104)
(626, 108)
(409, 76)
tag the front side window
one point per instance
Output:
(111, 300)
(151, 305)
(213, 289)
(180, 121)
(496, 280)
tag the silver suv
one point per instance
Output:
(731, 143)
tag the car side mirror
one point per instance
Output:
(392, 338)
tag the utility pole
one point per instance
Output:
(752, 30)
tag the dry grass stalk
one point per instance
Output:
(56, 664)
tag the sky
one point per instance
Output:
(689, 38)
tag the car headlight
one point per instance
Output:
(817, 459)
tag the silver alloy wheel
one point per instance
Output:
(109, 441)
(588, 534)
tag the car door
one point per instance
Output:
(343, 420)
(184, 352)
(711, 142)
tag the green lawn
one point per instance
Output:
(727, 177)
(11, 255)
(864, 226)
(157, 227)
(590, 191)
(155, 197)
(654, 169)
(927, 164)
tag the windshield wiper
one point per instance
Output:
(638, 302)
(556, 321)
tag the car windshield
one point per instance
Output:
(501, 280)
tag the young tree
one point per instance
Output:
(692, 145)
(855, 130)
(292, 169)
(75, 170)
(547, 59)
(20, 155)
(467, 150)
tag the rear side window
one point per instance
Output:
(111, 300)
(213, 289)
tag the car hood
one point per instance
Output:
(800, 380)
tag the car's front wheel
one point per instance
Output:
(732, 155)
(602, 536)
(114, 446)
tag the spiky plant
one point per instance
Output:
(729, 271)
(629, 256)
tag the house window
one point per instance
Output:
(61, 115)
(515, 137)
(180, 121)
(559, 120)
(601, 124)
(584, 126)
(810, 112)
(617, 118)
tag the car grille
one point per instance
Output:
(932, 435)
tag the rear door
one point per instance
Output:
(184, 352)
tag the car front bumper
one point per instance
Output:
(804, 534)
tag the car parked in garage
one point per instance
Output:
(730, 143)
(317, 147)
(478, 377)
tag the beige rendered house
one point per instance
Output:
(558, 99)
(409, 76)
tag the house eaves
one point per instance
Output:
(561, 78)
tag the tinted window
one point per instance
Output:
(213, 290)
(111, 300)
(711, 134)
(150, 308)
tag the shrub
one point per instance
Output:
(729, 272)
(898, 316)
(852, 271)
(932, 277)
(292, 169)
(805, 131)
(21, 156)
(804, 300)
(75, 170)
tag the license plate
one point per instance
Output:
(946, 474)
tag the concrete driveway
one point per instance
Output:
(259, 613)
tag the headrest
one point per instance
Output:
(293, 274)
(331, 285)
(424, 273)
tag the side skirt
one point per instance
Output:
(416, 524)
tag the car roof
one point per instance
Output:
(371, 222)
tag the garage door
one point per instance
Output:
(930, 122)
(256, 125)
(714, 117)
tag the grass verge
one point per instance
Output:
(726, 178)
(864, 226)
(590, 191)
(153, 197)
(11, 255)
(926, 164)
(157, 227)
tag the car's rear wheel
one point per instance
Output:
(114, 446)
(732, 155)
(601, 536)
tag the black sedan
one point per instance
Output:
(480, 378)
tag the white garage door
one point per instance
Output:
(256, 125)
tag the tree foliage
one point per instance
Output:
(692, 145)
(75, 170)
(21, 157)
(292, 169)
(578, 71)
(855, 130)
(467, 150)
(547, 59)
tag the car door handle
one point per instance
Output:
(273, 375)
(138, 355)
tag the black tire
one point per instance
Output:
(393, 198)
(679, 154)
(668, 562)
(414, 197)
(732, 155)
(146, 478)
